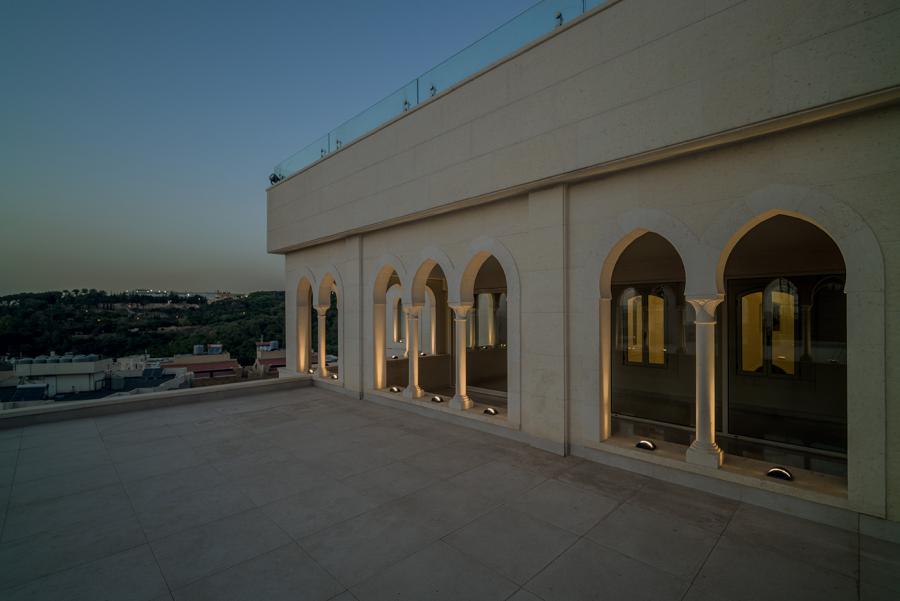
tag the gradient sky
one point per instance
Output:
(136, 137)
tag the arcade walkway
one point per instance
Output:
(303, 494)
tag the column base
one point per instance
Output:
(413, 392)
(705, 455)
(461, 402)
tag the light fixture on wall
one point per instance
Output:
(437, 399)
(490, 411)
(311, 370)
(394, 389)
(334, 376)
(394, 357)
(647, 445)
(502, 345)
(423, 354)
(780, 473)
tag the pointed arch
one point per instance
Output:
(385, 267)
(461, 291)
(866, 410)
(431, 256)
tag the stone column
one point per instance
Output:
(412, 390)
(320, 311)
(704, 450)
(461, 400)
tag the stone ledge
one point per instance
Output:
(28, 416)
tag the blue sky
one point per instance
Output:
(136, 137)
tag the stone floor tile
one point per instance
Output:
(56, 433)
(51, 451)
(587, 572)
(139, 435)
(437, 573)
(278, 480)
(154, 465)
(565, 505)
(29, 558)
(176, 512)
(317, 508)
(61, 513)
(227, 448)
(46, 489)
(127, 452)
(669, 543)
(285, 574)
(152, 491)
(447, 461)
(64, 463)
(740, 571)
(249, 465)
(608, 481)
(527, 457)
(357, 549)
(348, 462)
(444, 506)
(708, 511)
(817, 544)
(389, 482)
(512, 543)
(131, 575)
(879, 564)
(198, 552)
(498, 480)
(408, 445)
(523, 595)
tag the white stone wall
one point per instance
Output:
(457, 178)
(637, 76)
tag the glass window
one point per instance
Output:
(633, 319)
(644, 326)
(752, 332)
(656, 324)
(782, 316)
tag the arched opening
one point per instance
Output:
(305, 322)
(389, 335)
(395, 345)
(651, 357)
(786, 331)
(435, 360)
(328, 328)
(486, 360)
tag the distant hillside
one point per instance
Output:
(113, 325)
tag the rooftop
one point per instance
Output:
(302, 493)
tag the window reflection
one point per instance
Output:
(781, 320)
(752, 332)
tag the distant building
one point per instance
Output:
(215, 363)
(65, 374)
(268, 358)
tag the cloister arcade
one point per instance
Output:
(732, 346)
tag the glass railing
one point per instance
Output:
(529, 25)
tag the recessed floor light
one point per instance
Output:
(334, 376)
(394, 389)
(394, 357)
(780, 473)
(647, 445)
(437, 399)
(490, 411)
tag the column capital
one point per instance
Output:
(705, 307)
(460, 309)
(412, 310)
(321, 309)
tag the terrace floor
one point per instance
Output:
(304, 494)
